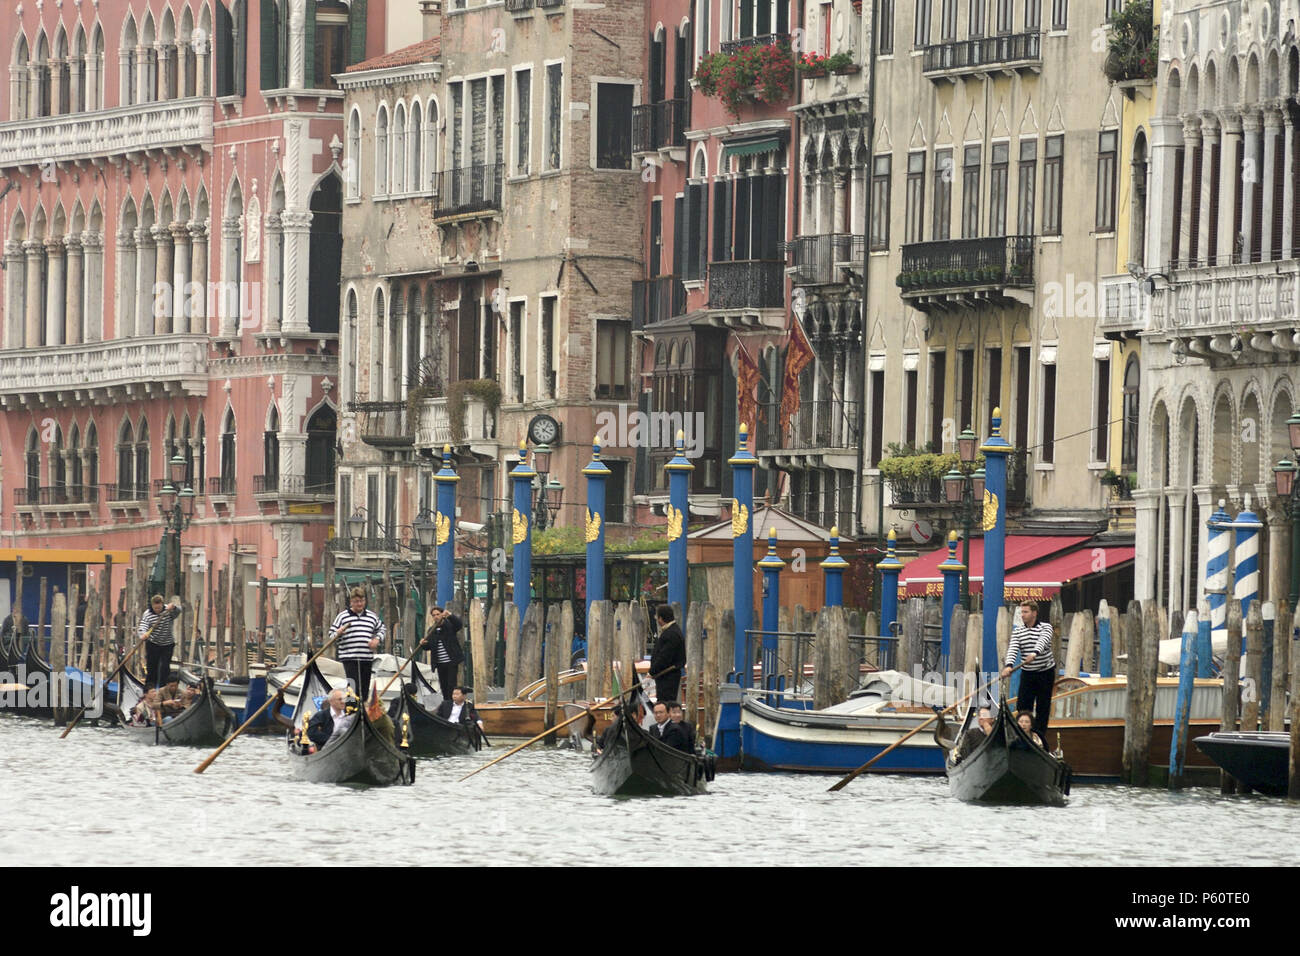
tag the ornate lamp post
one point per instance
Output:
(541, 465)
(963, 488)
(1285, 474)
(425, 529)
(176, 505)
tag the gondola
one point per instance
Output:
(360, 755)
(38, 678)
(431, 735)
(635, 764)
(1007, 767)
(1257, 759)
(207, 722)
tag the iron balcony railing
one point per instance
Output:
(293, 484)
(384, 424)
(954, 263)
(656, 300)
(928, 491)
(128, 491)
(222, 485)
(550, 4)
(750, 284)
(766, 39)
(821, 260)
(25, 497)
(658, 125)
(827, 423)
(984, 52)
(474, 188)
(69, 495)
(518, 6)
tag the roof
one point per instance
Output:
(415, 53)
(1037, 566)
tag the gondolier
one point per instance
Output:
(157, 623)
(1031, 641)
(445, 648)
(359, 632)
(669, 655)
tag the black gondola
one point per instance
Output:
(38, 678)
(1258, 759)
(1006, 767)
(431, 735)
(635, 764)
(360, 755)
(206, 722)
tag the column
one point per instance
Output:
(1272, 138)
(1210, 157)
(124, 78)
(33, 92)
(1288, 184)
(92, 82)
(1205, 497)
(1251, 125)
(161, 299)
(183, 54)
(1175, 498)
(143, 88)
(596, 473)
(296, 227)
(126, 270)
(56, 85)
(144, 278)
(228, 311)
(54, 291)
(74, 314)
(92, 313)
(1279, 552)
(1162, 217)
(14, 301)
(75, 69)
(180, 236)
(17, 107)
(164, 69)
(271, 270)
(445, 528)
(32, 249)
(1146, 503)
(199, 277)
(1229, 183)
(1187, 225)
(841, 179)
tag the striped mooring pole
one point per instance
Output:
(1246, 561)
(1218, 541)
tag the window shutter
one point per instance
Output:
(283, 19)
(269, 36)
(1211, 251)
(702, 230)
(1279, 195)
(309, 47)
(357, 32)
(1236, 205)
(224, 52)
(679, 215)
(1176, 244)
(740, 232)
(720, 221)
(1194, 240)
(241, 47)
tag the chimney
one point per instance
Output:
(431, 15)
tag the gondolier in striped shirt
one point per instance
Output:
(1031, 641)
(157, 623)
(359, 632)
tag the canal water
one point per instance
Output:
(97, 798)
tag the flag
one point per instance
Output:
(797, 358)
(746, 387)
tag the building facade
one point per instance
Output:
(171, 228)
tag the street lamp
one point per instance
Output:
(425, 529)
(177, 510)
(356, 525)
(542, 515)
(964, 490)
(1285, 473)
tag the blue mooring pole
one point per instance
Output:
(1105, 648)
(597, 472)
(742, 465)
(679, 485)
(996, 449)
(889, 569)
(1183, 702)
(772, 566)
(952, 569)
(445, 531)
(522, 533)
(833, 569)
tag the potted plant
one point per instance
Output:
(1109, 477)
(764, 73)
(1132, 49)
(901, 280)
(812, 65)
(842, 63)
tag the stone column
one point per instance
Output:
(228, 311)
(18, 106)
(1175, 500)
(1278, 585)
(1162, 217)
(183, 54)
(164, 293)
(273, 292)
(1229, 183)
(297, 253)
(1288, 181)
(841, 200)
(54, 291)
(1146, 502)
(14, 301)
(180, 235)
(1272, 140)
(199, 277)
(127, 256)
(143, 88)
(164, 69)
(32, 249)
(1210, 156)
(1252, 130)
(1206, 497)
(75, 69)
(93, 265)
(92, 69)
(124, 77)
(1188, 226)
(76, 287)
(33, 92)
(144, 278)
(56, 85)
(297, 33)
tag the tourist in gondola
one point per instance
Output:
(1026, 721)
(677, 715)
(665, 730)
(171, 699)
(459, 709)
(359, 632)
(444, 647)
(1031, 641)
(669, 655)
(976, 735)
(145, 713)
(158, 649)
(330, 721)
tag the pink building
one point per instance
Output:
(171, 235)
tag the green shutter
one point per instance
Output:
(357, 32)
(223, 52)
(309, 48)
(269, 39)
(241, 47)
(283, 19)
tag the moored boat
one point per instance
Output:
(524, 715)
(206, 722)
(633, 763)
(361, 754)
(1005, 767)
(1257, 759)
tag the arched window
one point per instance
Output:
(399, 149)
(44, 81)
(352, 347)
(1138, 230)
(142, 472)
(126, 463)
(271, 451)
(430, 148)
(64, 67)
(377, 347)
(227, 486)
(321, 428)
(126, 63)
(326, 255)
(92, 457)
(33, 476)
(19, 90)
(354, 155)
(74, 466)
(58, 469)
(1132, 409)
(187, 452)
(169, 447)
(203, 454)
(381, 152)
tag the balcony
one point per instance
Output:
(518, 6)
(656, 300)
(1124, 308)
(128, 494)
(1231, 313)
(766, 39)
(166, 125)
(658, 126)
(196, 486)
(922, 488)
(821, 433)
(384, 424)
(827, 259)
(550, 4)
(749, 284)
(311, 487)
(222, 486)
(104, 372)
(468, 190)
(984, 56)
(966, 273)
(433, 425)
(71, 496)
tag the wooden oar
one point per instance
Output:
(916, 730)
(81, 713)
(546, 733)
(217, 753)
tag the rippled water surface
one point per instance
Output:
(97, 798)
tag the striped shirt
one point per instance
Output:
(361, 629)
(1036, 640)
(162, 634)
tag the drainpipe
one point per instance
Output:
(870, 53)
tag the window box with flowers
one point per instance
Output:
(761, 73)
(1133, 51)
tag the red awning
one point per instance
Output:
(922, 576)
(1046, 578)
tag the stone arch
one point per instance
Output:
(1279, 438)
(1224, 429)
(1210, 85)
(1272, 82)
(1191, 96)
(1173, 92)
(1251, 436)
(1186, 468)
(1252, 90)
